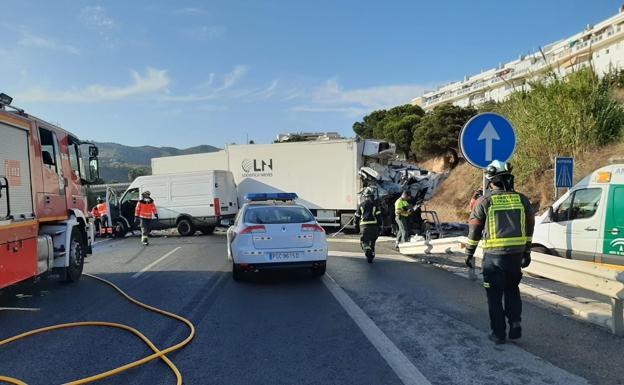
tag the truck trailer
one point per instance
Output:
(44, 225)
(324, 174)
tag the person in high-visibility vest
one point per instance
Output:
(146, 211)
(97, 222)
(473, 201)
(504, 220)
(369, 216)
(103, 213)
(402, 211)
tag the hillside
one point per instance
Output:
(451, 200)
(116, 160)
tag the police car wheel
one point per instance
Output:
(237, 274)
(319, 271)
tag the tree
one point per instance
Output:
(370, 125)
(438, 131)
(395, 125)
(136, 172)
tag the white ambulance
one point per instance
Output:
(587, 223)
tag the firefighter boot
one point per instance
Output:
(145, 240)
(515, 331)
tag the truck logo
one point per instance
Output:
(257, 167)
(619, 245)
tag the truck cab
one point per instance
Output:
(44, 224)
(587, 223)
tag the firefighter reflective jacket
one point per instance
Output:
(145, 209)
(368, 212)
(95, 212)
(505, 222)
(101, 209)
(401, 207)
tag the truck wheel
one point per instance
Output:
(185, 227)
(76, 252)
(207, 230)
(119, 228)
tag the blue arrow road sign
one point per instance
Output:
(564, 172)
(487, 137)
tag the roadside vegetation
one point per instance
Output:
(581, 115)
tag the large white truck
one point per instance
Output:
(324, 174)
(587, 223)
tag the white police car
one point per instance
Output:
(271, 231)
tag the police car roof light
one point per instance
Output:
(254, 197)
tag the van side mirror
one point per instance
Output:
(93, 152)
(551, 215)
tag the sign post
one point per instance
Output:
(486, 137)
(564, 173)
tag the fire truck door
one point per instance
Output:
(53, 196)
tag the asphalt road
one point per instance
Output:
(393, 322)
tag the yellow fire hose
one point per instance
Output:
(157, 353)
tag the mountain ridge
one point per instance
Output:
(117, 160)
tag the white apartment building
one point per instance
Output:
(601, 46)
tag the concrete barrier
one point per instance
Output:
(607, 282)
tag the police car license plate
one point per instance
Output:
(284, 256)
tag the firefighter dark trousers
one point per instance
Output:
(501, 277)
(368, 238)
(146, 227)
(403, 234)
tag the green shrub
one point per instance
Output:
(562, 117)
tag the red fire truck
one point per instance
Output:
(44, 225)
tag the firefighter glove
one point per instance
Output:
(526, 258)
(470, 261)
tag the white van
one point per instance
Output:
(189, 201)
(586, 223)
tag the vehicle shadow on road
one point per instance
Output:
(281, 277)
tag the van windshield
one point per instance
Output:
(278, 215)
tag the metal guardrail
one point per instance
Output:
(581, 274)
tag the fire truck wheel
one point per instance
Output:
(119, 228)
(185, 227)
(76, 252)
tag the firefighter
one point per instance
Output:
(473, 201)
(503, 218)
(145, 211)
(103, 215)
(96, 217)
(402, 210)
(369, 216)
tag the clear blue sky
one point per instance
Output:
(182, 73)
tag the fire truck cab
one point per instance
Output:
(44, 171)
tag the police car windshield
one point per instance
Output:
(277, 215)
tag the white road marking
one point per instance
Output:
(393, 257)
(146, 268)
(101, 241)
(356, 240)
(400, 364)
(20, 308)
